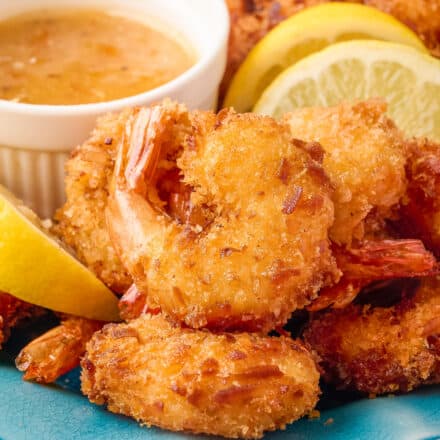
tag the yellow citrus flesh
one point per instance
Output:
(35, 268)
(305, 33)
(407, 79)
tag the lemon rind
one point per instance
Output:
(302, 27)
(34, 267)
(371, 50)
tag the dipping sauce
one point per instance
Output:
(84, 56)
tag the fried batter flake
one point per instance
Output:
(419, 214)
(381, 350)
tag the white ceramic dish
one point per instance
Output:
(35, 140)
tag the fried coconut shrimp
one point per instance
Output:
(252, 19)
(80, 223)
(381, 350)
(365, 156)
(234, 385)
(420, 208)
(220, 219)
(12, 312)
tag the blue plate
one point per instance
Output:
(30, 411)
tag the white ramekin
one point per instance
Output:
(35, 140)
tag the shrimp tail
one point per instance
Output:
(139, 150)
(57, 351)
(374, 260)
(386, 259)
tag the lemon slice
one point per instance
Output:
(406, 78)
(35, 268)
(307, 32)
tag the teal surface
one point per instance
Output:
(29, 411)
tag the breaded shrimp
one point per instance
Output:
(365, 156)
(221, 219)
(234, 385)
(419, 215)
(381, 350)
(80, 223)
(252, 19)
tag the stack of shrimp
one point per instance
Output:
(214, 267)
(216, 228)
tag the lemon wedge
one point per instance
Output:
(407, 79)
(307, 32)
(35, 268)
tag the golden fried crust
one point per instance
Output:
(365, 160)
(381, 350)
(420, 208)
(12, 312)
(81, 221)
(264, 251)
(252, 19)
(190, 380)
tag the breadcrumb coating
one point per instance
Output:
(365, 156)
(80, 223)
(381, 350)
(419, 215)
(234, 385)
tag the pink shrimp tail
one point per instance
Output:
(374, 260)
(385, 259)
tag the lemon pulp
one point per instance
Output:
(407, 79)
